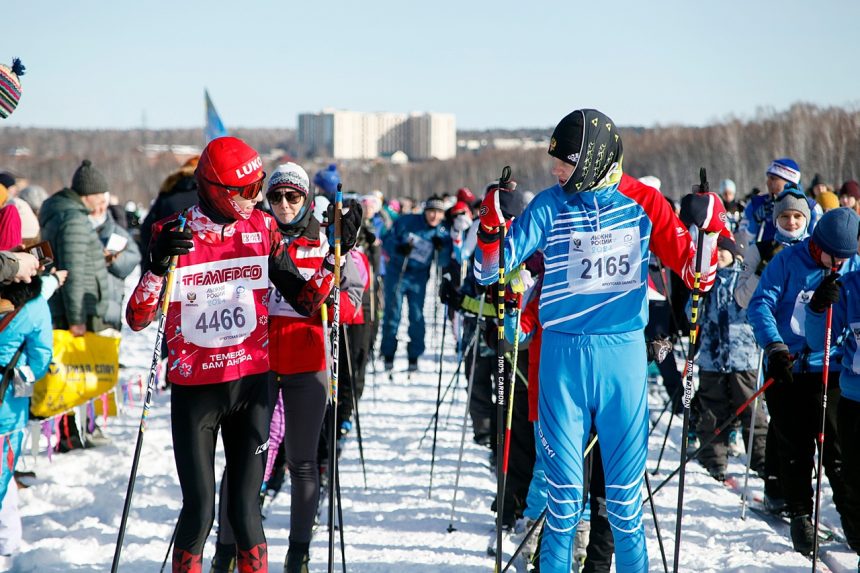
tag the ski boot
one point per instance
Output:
(802, 534)
(298, 558)
(413, 365)
(507, 543)
(580, 543)
(224, 560)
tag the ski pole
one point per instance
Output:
(500, 502)
(354, 403)
(751, 439)
(665, 439)
(445, 392)
(147, 402)
(539, 521)
(825, 375)
(340, 523)
(656, 525)
(731, 419)
(335, 350)
(500, 377)
(458, 340)
(688, 374)
(169, 546)
(670, 401)
(469, 384)
(438, 399)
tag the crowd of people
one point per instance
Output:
(598, 272)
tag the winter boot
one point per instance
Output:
(224, 560)
(583, 531)
(773, 504)
(802, 534)
(298, 557)
(389, 363)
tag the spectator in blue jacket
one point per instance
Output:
(412, 245)
(728, 367)
(757, 223)
(777, 313)
(845, 298)
(26, 347)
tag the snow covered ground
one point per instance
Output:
(72, 513)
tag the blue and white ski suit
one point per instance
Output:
(413, 282)
(593, 308)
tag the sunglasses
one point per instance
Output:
(247, 191)
(293, 197)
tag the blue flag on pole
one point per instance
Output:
(214, 126)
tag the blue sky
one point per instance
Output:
(107, 64)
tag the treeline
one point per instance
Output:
(821, 140)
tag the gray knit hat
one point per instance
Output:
(791, 199)
(88, 180)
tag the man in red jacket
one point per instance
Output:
(217, 341)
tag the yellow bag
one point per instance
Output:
(83, 367)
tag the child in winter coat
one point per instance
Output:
(777, 313)
(845, 298)
(26, 347)
(728, 367)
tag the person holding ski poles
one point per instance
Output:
(843, 294)
(217, 341)
(298, 370)
(596, 227)
(777, 313)
(412, 245)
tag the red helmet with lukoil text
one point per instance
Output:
(229, 167)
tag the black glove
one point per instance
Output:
(766, 251)
(779, 363)
(437, 242)
(170, 242)
(350, 224)
(826, 294)
(448, 294)
(705, 211)
(658, 349)
(404, 249)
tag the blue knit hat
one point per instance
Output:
(785, 168)
(327, 180)
(836, 232)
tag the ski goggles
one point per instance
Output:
(246, 191)
(275, 196)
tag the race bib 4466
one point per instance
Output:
(604, 261)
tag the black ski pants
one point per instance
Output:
(848, 426)
(241, 410)
(795, 409)
(719, 395)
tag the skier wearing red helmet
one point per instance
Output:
(217, 340)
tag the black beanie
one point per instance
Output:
(588, 140)
(566, 141)
(88, 180)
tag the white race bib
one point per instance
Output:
(217, 298)
(604, 261)
(855, 332)
(220, 315)
(798, 314)
(422, 249)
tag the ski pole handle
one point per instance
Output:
(171, 275)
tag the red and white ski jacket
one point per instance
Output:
(296, 340)
(217, 320)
